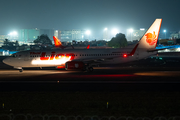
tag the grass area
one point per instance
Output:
(149, 104)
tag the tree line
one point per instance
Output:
(118, 41)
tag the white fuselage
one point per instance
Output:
(58, 57)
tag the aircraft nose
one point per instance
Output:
(6, 61)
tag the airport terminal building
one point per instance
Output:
(25, 36)
(69, 35)
(29, 35)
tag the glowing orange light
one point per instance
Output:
(60, 67)
(57, 42)
(151, 38)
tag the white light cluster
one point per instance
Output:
(13, 33)
(88, 32)
(178, 49)
(115, 31)
(51, 62)
(131, 30)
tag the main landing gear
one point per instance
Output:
(88, 69)
(20, 70)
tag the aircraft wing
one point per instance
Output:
(97, 60)
(152, 50)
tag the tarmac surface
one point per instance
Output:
(145, 88)
(139, 76)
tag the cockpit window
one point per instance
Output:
(14, 55)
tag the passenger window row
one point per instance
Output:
(15, 55)
(77, 55)
(99, 54)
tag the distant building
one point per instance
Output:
(29, 35)
(26, 36)
(174, 35)
(135, 34)
(69, 35)
(3, 37)
(167, 42)
(57, 33)
(106, 34)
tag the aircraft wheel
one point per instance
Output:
(21, 70)
(85, 68)
(90, 69)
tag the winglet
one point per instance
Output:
(88, 47)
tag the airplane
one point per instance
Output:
(86, 59)
(58, 44)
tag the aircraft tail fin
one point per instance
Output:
(88, 47)
(150, 38)
(58, 43)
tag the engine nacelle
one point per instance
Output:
(74, 65)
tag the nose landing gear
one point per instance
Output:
(20, 70)
(90, 69)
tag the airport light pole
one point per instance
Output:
(88, 32)
(165, 33)
(131, 30)
(114, 32)
(13, 35)
(105, 36)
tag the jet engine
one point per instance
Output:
(74, 65)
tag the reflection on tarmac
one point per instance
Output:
(111, 79)
(26, 73)
(100, 75)
(160, 73)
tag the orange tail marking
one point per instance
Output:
(88, 46)
(57, 42)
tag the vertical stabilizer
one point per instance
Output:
(150, 38)
(58, 43)
(88, 47)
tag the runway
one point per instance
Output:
(137, 75)
(102, 79)
(100, 75)
(130, 89)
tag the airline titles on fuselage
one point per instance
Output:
(58, 56)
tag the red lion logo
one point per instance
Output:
(151, 38)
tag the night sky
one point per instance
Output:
(94, 15)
